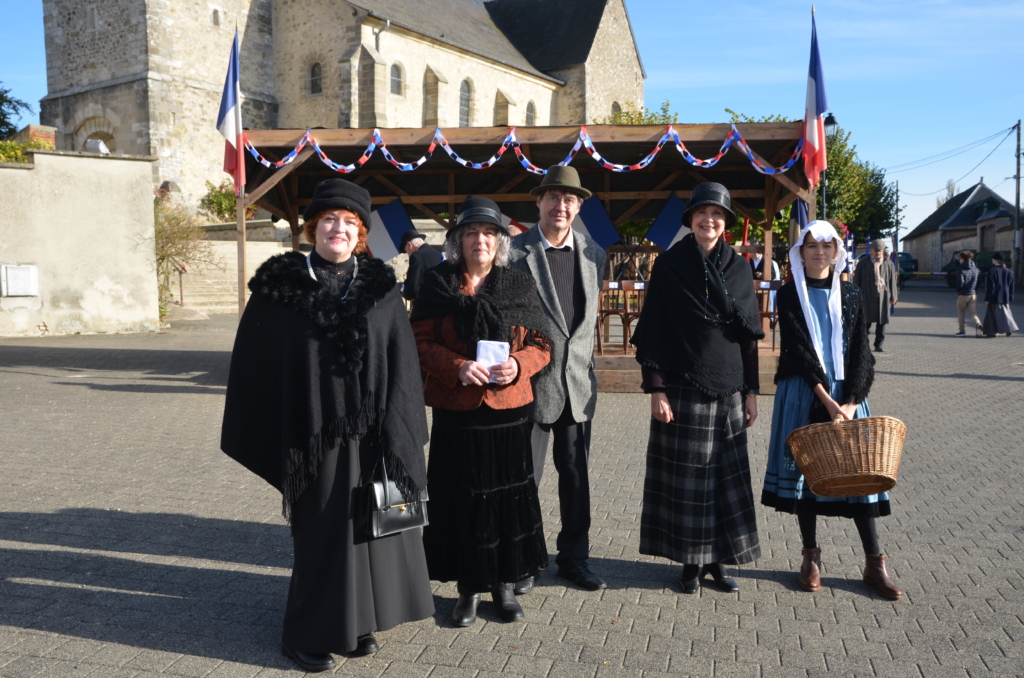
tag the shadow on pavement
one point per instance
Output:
(156, 534)
(191, 368)
(210, 609)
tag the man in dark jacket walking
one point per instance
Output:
(967, 274)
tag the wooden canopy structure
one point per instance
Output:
(441, 184)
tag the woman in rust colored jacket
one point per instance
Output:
(485, 530)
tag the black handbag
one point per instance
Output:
(388, 512)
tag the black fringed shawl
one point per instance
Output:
(696, 313)
(309, 371)
(508, 298)
(797, 357)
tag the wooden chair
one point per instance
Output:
(636, 293)
(612, 302)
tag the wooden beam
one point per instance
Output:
(785, 181)
(493, 136)
(641, 203)
(276, 211)
(422, 208)
(520, 176)
(451, 199)
(738, 207)
(277, 176)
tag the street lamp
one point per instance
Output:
(830, 130)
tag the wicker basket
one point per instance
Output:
(847, 458)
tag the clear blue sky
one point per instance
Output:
(909, 78)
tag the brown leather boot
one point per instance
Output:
(877, 578)
(810, 570)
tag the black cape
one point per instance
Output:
(696, 313)
(309, 371)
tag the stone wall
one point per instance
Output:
(924, 248)
(613, 68)
(416, 54)
(97, 270)
(147, 76)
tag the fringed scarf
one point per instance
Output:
(508, 298)
(696, 312)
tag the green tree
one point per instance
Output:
(857, 193)
(219, 202)
(631, 115)
(735, 117)
(11, 109)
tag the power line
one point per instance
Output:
(945, 155)
(921, 195)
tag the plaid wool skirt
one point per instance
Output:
(698, 504)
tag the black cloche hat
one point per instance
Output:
(710, 193)
(339, 194)
(478, 210)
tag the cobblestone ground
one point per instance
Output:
(131, 546)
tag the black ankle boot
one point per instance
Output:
(464, 613)
(689, 579)
(722, 582)
(505, 600)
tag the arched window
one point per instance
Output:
(531, 114)
(316, 78)
(616, 111)
(396, 79)
(465, 103)
(215, 18)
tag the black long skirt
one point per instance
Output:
(344, 584)
(485, 521)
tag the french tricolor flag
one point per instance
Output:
(815, 159)
(229, 122)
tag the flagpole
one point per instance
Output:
(240, 207)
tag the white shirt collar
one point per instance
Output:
(569, 241)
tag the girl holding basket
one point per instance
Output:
(825, 371)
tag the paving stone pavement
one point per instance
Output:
(130, 546)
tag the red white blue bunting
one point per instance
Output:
(583, 141)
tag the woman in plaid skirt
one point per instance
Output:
(697, 346)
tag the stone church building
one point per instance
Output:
(145, 76)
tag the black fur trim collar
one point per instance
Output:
(284, 279)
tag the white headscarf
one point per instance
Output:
(822, 231)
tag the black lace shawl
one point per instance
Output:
(697, 312)
(309, 371)
(798, 358)
(508, 298)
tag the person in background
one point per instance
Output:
(324, 387)
(998, 296)
(486, 530)
(568, 267)
(967, 275)
(825, 371)
(876, 280)
(696, 342)
(422, 258)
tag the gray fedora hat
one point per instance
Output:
(562, 178)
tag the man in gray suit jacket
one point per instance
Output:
(568, 267)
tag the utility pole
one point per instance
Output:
(1016, 214)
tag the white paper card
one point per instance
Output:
(491, 353)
